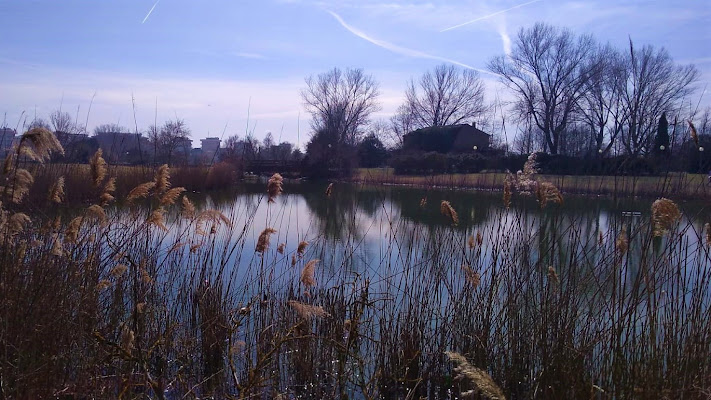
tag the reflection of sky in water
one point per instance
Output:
(384, 233)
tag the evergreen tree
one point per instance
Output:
(661, 140)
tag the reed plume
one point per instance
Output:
(547, 192)
(470, 241)
(281, 247)
(215, 217)
(44, 143)
(56, 191)
(694, 135)
(302, 248)
(664, 214)
(622, 242)
(307, 274)
(423, 202)
(171, 196)
(156, 218)
(162, 179)
(329, 189)
(188, 208)
(471, 276)
(141, 191)
(96, 212)
(263, 241)
(553, 275)
(20, 181)
(98, 167)
(447, 210)
(118, 270)
(479, 238)
(16, 223)
(72, 232)
(482, 383)
(293, 260)
(274, 187)
(307, 311)
(508, 182)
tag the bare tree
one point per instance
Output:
(548, 70)
(340, 102)
(601, 107)
(650, 84)
(448, 95)
(400, 124)
(62, 122)
(171, 137)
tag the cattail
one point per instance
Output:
(118, 270)
(302, 248)
(56, 191)
(188, 208)
(307, 275)
(552, 275)
(72, 232)
(694, 135)
(44, 143)
(707, 230)
(263, 241)
(141, 191)
(156, 218)
(448, 211)
(547, 192)
(329, 189)
(274, 187)
(423, 202)
(307, 311)
(96, 212)
(622, 242)
(470, 241)
(664, 213)
(162, 179)
(471, 276)
(481, 382)
(171, 196)
(281, 247)
(98, 167)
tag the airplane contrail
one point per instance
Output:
(150, 11)
(399, 49)
(488, 16)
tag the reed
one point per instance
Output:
(170, 297)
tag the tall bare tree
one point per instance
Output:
(650, 84)
(447, 95)
(548, 69)
(62, 122)
(340, 102)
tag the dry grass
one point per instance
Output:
(166, 298)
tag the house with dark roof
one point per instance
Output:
(462, 138)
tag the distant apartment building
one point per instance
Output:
(7, 139)
(123, 147)
(209, 148)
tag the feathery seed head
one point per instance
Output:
(274, 187)
(98, 167)
(307, 275)
(263, 241)
(447, 210)
(664, 214)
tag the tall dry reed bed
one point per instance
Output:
(166, 299)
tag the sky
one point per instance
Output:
(231, 67)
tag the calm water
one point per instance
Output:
(384, 232)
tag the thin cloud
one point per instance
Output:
(150, 11)
(399, 49)
(255, 56)
(488, 16)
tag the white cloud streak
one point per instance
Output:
(399, 49)
(150, 11)
(489, 16)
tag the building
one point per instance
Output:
(210, 145)
(462, 138)
(124, 147)
(8, 137)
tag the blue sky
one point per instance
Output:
(213, 63)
